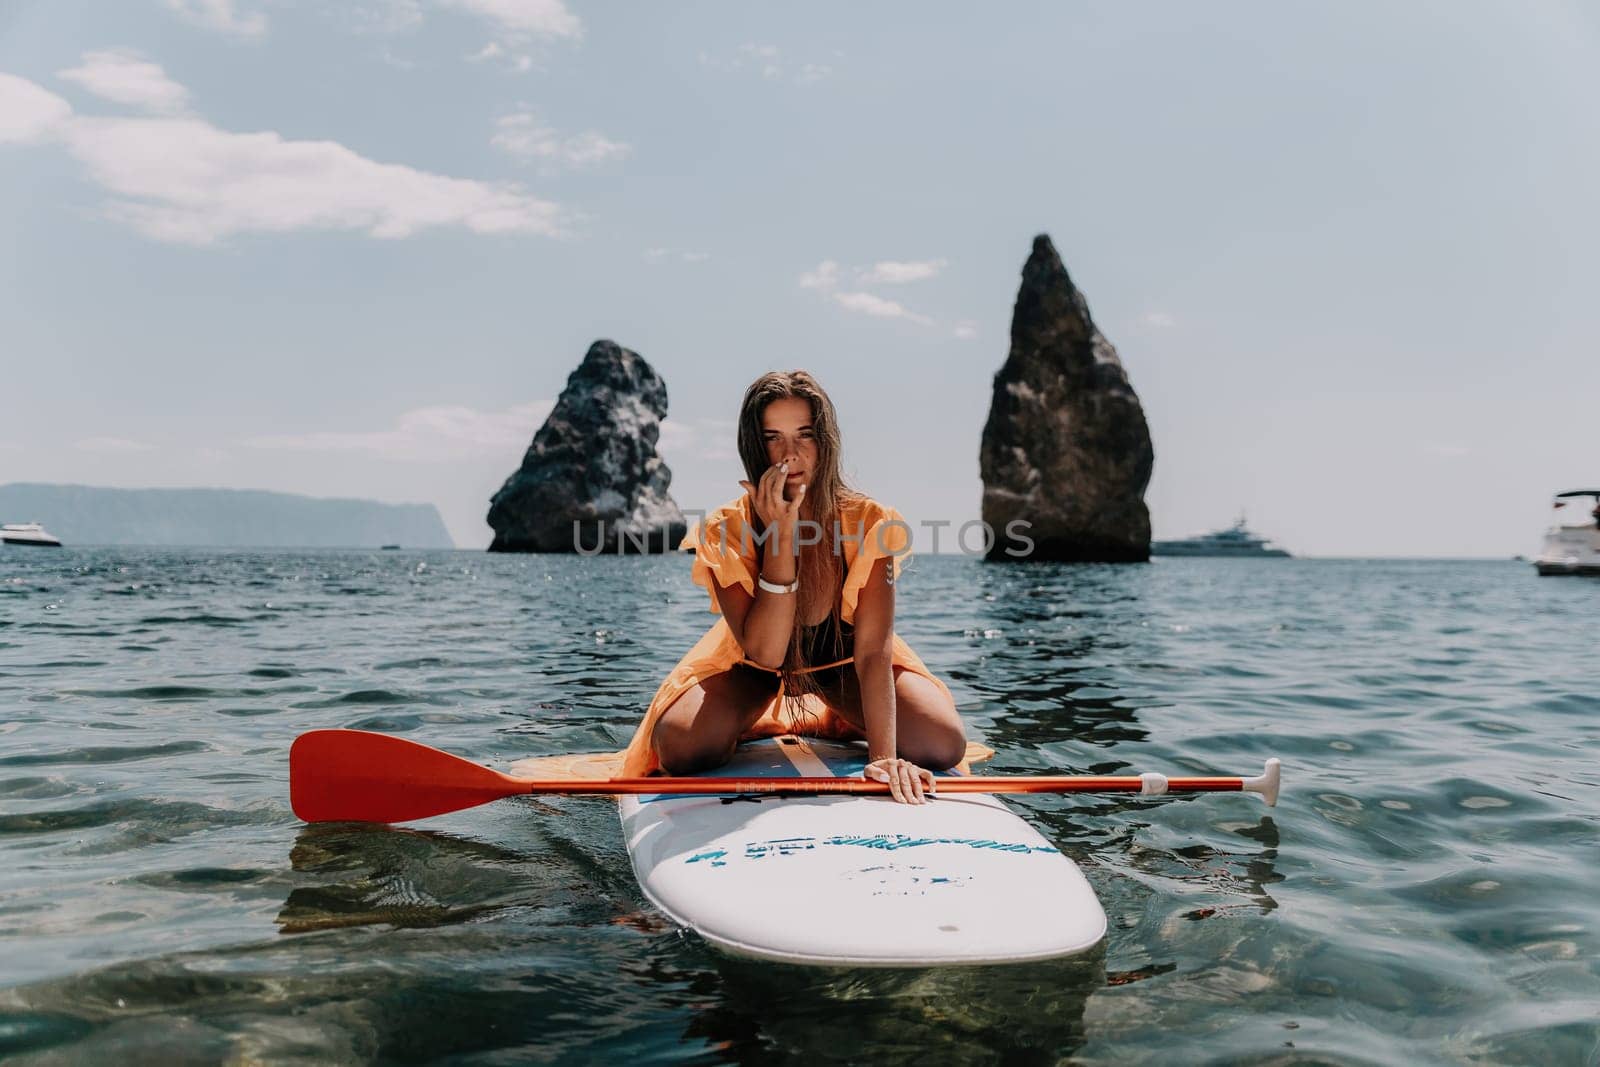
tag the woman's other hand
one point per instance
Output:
(767, 498)
(908, 783)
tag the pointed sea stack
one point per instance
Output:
(591, 481)
(1066, 447)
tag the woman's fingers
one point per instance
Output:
(884, 771)
(908, 783)
(772, 491)
(878, 772)
(792, 507)
(767, 493)
(913, 780)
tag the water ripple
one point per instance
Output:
(1422, 894)
(104, 754)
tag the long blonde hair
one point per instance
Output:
(820, 569)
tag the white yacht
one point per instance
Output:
(1573, 547)
(28, 533)
(1236, 540)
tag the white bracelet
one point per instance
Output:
(772, 587)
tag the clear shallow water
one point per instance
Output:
(1425, 891)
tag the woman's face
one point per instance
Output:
(786, 429)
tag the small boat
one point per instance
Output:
(28, 533)
(1572, 548)
(389, 548)
(856, 881)
(1236, 540)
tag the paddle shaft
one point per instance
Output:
(834, 786)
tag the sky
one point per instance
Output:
(1346, 251)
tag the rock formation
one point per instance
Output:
(1066, 446)
(593, 463)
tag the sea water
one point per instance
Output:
(1425, 892)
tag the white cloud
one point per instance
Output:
(884, 272)
(710, 439)
(186, 181)
(524, 136)
(878, 307)
(125, 78)
(824, 279)
(494, 50)
(966, 329)
(111, 444)
(826, 276)
(519, 20)
(450, 432)
(189, 182)
(656, 255)
(398, 62)
(892, 272)
(766, 60)
(220, 15)
(29, 112)
(381, 16)
(1158, 320)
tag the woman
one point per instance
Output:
(802, 569)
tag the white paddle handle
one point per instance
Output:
(1265, 783)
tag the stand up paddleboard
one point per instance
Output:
(856, 881)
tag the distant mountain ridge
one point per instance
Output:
(225, 518)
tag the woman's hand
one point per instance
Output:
(908, 783)
(768, 502)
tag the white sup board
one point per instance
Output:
(856, 880)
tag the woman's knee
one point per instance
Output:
(928, 726)
(680, 737)
(692, 755)
(938, 748)
(701, 729)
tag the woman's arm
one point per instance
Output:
(874, 641)
(763, 623)
(874, 654)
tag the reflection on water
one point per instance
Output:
(373, 874)
(1026, 1013)
(1046, 636)
(1423, 893)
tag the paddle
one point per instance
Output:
(358, 776)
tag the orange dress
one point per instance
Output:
(725, 553)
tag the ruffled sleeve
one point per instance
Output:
(719, 559)
(885, 533)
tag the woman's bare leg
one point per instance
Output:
(701, 728)
(927, 726)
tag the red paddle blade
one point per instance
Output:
(357, 776)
